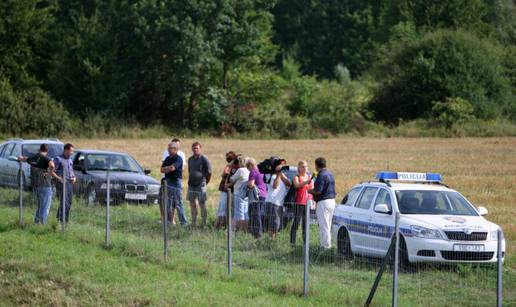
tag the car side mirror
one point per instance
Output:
(482, 211)
(382, 208)
(147, 171)
(13, 158)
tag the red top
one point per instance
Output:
(302, 195)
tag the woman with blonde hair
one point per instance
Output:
(302, 183)
(256, 194)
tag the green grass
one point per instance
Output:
(40, 266)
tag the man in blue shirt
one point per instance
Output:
(64, 175)
(172, 167)
(324, 195)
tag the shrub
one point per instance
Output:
(441, 64)
(30, 111)
(452, 111)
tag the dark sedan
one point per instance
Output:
(129, 182)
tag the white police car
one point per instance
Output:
(437, 224)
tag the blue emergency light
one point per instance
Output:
(406, 176)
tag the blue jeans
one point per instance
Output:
(67, 200)
(44, 198)
(175, 200)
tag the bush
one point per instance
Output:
(452, 111)
(441, 64)
(31, 111)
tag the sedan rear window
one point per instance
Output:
(54, 150)
(350, 198)
(433, 202)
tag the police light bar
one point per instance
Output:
(405, 176)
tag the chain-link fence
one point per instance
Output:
(346, 253)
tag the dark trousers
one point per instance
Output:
(274, 215)
(299, 214)
(67, 200)
(256, 213)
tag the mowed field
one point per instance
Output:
(41, 266)
(484, 170)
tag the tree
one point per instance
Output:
(322, 34)
(438, 65)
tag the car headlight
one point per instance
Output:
(423, 232)
(153, 188)
(113, 186)
(493, 235)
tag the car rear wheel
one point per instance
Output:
(344, 244)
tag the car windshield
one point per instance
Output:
(54, 150)
(433, 202)
(119, 163)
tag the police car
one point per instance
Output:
(437, 224)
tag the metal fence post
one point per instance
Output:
(229, 230)
(306, 249)
(165, 220)
(20, 196)
(500, 272)
(108, 200)
(63, 201)
(396, 261)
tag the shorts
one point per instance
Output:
(241, 207)
(273, 215)
(197, 193)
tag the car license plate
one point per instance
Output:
(135, 196)
(468, 247)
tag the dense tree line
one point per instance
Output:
(280, 67)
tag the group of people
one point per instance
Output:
(256, 200)
(199, 175)
(46, 173)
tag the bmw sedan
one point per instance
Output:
(129, 182)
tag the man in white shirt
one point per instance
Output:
(277, 189)
(180, 207)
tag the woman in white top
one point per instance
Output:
(240, 205)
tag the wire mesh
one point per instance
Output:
(458, 268)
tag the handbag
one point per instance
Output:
(253, 194)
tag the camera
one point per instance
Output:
(268, 166)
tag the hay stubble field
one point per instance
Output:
(483, 169)
(40, 266)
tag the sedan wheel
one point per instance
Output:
(344, 244)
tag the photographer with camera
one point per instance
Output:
(277, 190)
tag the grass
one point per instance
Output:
(39, 266)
